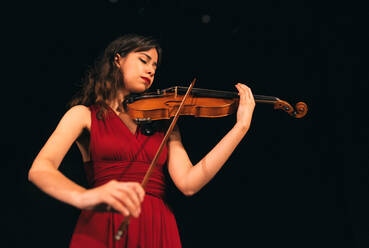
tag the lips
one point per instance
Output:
(147, 80)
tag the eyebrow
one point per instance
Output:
(149, 57)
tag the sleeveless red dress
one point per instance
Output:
(118, 154)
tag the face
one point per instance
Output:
(138, 70)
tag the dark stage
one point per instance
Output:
(290, 183)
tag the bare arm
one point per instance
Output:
(190, 179)
(44, 173)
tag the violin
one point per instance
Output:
(163, 104)
(176, 101)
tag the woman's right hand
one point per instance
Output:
(123, 197)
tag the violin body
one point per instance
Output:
(166, 106)
(163, 104)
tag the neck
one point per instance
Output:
(117, 103)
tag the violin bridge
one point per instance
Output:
(175, 92)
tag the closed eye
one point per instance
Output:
(143, 61)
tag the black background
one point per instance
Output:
(291, 182)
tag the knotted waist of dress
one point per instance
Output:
(101, 172)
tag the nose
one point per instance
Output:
(150, 70)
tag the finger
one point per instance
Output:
(129, 190)
(111, 201)
(246, 90)
(241, 93)
(240, 90)
(139, 191)
(251, 95)
(127, 201)
(237, 87)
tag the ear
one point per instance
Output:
(117, 59)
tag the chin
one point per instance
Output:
(139, 89)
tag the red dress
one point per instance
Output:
(118, 154)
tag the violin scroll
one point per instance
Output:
(299, 111)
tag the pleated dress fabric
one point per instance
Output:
(118, 154)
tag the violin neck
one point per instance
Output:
(219, 94)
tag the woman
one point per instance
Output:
(117, 155)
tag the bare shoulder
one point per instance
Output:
(79, 115)
(79, 110)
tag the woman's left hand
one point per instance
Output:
(246, 106)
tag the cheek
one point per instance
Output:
(127, 73)
(131, 70)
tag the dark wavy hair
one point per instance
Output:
(103, 80)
